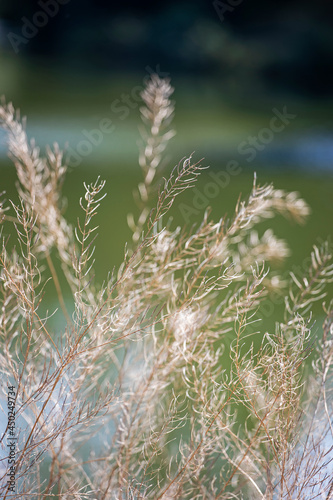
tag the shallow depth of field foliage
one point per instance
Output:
(164, 384)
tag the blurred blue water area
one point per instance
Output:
(311, 152)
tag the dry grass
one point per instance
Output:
(134, 398)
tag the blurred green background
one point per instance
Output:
(69, 65)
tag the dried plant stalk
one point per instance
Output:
(156, 388)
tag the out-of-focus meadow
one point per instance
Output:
(85, 68)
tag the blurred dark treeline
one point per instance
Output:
(278, 46)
